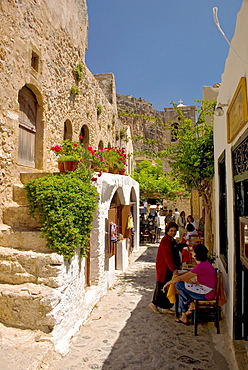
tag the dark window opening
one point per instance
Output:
(35, 61)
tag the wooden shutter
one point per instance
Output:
(27, 127)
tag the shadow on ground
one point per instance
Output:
(155, 341)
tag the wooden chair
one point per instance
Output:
(208, 311)
(193, 240)
(145, 236)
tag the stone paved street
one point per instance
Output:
(123, 333)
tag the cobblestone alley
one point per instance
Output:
(123, 333)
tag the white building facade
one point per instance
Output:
(231, 179)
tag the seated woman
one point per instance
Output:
(204, 289)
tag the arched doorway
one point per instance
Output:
(84, 136)
(67, 130)
(27, 127)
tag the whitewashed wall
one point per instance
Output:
(236, 67)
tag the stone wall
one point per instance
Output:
(39, 290)
(41, 44)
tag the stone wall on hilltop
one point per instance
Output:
(144, 120)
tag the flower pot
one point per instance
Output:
(70, 165)
(122, 171)
(61, 166)
(113, 170)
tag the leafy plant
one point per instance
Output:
(68, 158)
(69, 151)
(99, 109)
(79, 71)
(75, 90)
(66, 204)
(97, 159)
(191, 158)
(116, 158)
(123, 133)
(154, 183)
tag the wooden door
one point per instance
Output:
(27, 127)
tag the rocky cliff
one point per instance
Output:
(144, 121)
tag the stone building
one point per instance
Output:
(42, 102)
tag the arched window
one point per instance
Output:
(67, 130)
(84, 136)
(27, 127)
(100, 145)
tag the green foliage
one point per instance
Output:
(75, 90)
(79, 71)
(115, 157)
(123, 133)
(68, 158)
(66, 204)
(191, 157)
(99, 109)
(154, 183)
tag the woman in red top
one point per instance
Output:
(167, 261)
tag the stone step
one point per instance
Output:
(22, 239)
(18, 216)
(19, 195)
(27, 176)
(28, 306)
(20, 267)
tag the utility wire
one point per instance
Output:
(216, 21)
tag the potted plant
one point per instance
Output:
(116, 159)
(68, 163)
(98, 162)
(69, 154)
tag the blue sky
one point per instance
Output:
(160, 50)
